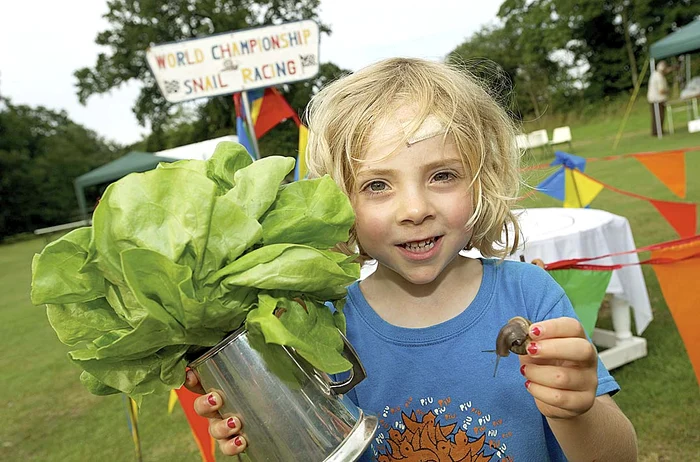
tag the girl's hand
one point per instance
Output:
(560, 368)
(225, 432)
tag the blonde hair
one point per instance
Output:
(342, 116)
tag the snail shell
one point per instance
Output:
(514, 336)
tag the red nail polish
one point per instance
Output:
(522, 369)
(231, 423)
(535, 331)
(532, 348)
(238, 441)
(527, 384)
(211, 400)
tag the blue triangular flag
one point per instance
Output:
(553, 185)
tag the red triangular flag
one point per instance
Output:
(682, 216)
(273, 110)
(199, 425)
(668, 167)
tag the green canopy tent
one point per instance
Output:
(683, 41)
(131, 162)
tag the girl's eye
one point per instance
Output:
(376, 186)
(443, 176)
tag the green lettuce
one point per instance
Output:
(179, 257)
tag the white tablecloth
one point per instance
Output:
(554, 234)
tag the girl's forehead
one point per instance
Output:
(401, 128)
(392, 151)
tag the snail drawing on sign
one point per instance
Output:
(513, 337)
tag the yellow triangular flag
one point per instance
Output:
(579, 190)
(301, 159)
(171, 401)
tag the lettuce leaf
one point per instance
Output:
(179, 257)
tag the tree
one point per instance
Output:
(135, 24)
(522, 45)
(41, 152)
(613, 36)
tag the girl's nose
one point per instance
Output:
(415, 207)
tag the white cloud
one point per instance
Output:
(42, 43)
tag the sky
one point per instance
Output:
(43, 42)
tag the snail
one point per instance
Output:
(514, 336)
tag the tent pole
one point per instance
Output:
(657, 116)
(80, 195)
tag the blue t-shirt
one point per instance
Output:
(433, 388)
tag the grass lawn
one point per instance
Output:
(49, 416)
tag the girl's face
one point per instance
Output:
(412, 204)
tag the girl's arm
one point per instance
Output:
(602, 433)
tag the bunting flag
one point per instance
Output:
(677, 283)
(244, 137)
(172, 399)
(677, 265)
(132, 417)
(300, 169)
(614, 157)
(682, 216)
(586, 290)
(199, 425)
(579, 189)
(267, 108)
(668, 167)
(554, 185)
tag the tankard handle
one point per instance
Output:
(357, 373)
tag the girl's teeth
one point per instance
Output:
(422, 246)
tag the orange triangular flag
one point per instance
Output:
(199, 425)
(668, 167)
(682, 216)
(677, 281)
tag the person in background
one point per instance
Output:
(657, 95)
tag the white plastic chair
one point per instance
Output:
(538, 139)
(694, 126)
(561, 135)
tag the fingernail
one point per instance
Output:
(238, 441)
(211, 400)
(189, 375)
(535, 331)
(532, 348)
(527, 384)
(231, 423)
(522, 369)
